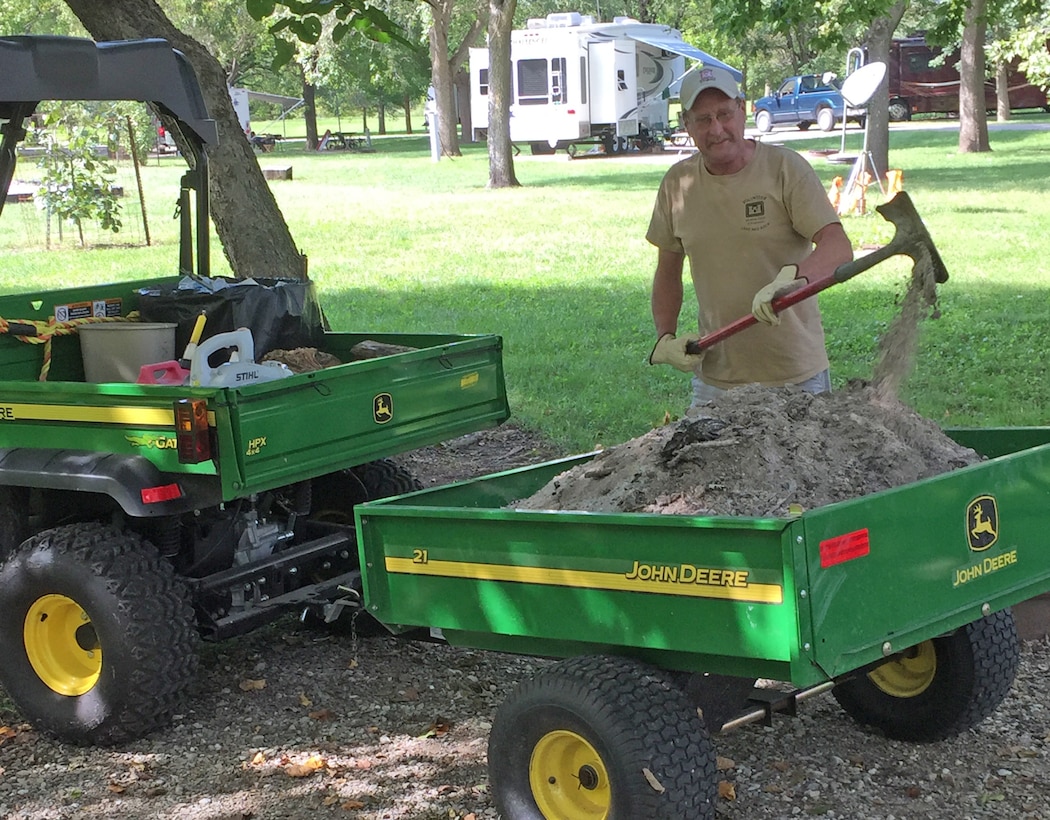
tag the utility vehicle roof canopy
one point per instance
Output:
(36, 68)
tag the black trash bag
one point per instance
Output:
(282, 314)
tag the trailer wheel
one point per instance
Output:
(825, 119)
(600, 737)
(764, 121)
(97, 634)
(941, 687)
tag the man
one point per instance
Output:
(755, 223)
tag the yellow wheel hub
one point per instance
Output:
(568, 778)
(62, 646)
(909, 675)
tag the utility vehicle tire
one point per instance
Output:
(825, 119)
(941, 687)
(804, 126)
(541, 149)
(334, 498)
(764, 121)
(720, 698)
(97, 634)
(14, 526)
(601, 737)
(335, 495)
(898, 111)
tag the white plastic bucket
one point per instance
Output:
(116, 351)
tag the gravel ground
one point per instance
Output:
(291, 722)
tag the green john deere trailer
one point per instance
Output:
(898, 602)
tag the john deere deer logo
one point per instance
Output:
(382, 408)
(982, 523)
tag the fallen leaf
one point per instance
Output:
(726, 790)
(650, 778)
(438, 728)
(725, 763)
(116, 788)
(322, 714)
(259, 759)
(306, 768)
(351, 805)
(304, 700)
(352, 664)
(249, 685)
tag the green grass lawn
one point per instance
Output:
(560, 268)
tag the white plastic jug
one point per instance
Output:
(240, 370)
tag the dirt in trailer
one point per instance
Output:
(759, 451)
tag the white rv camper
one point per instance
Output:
(575, 81)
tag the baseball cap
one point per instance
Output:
(704, 77)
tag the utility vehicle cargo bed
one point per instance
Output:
(266, 435)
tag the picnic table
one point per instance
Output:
(342, 141)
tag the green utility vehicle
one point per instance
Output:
(897, 602)
(136, 518)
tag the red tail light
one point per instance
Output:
(191, 430)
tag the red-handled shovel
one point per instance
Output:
(911, 238)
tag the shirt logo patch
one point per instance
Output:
(754, 210)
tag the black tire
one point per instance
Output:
(825, 119)
(97, 634)
(764, 121)
(334, 497)
(14, 525)
(940, 688)
(804, 126)
(601, 737)
(719, 698)
(899, 111)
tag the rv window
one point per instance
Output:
(483, 82)
(583, 80)
(621, 80)
(532, 82)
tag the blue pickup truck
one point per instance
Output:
(802, 101)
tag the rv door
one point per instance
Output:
(614, 86)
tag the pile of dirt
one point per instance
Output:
(759, 451)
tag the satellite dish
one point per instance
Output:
(860, 86)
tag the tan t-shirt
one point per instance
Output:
(737, 231)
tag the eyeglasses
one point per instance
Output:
(723, 115)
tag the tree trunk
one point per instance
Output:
(462, 85)
(879, 36)
(973, 113)
(381, 117)
(1002, 92)
(310, 112)
(501, 151)
(248, 222)
(407, 105)
(441, 77)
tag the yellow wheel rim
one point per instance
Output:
(62, 646)
(568, 778)
(909, 675)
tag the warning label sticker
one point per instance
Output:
(96, 309)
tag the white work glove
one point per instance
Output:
(670, 349)
(785, 283)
